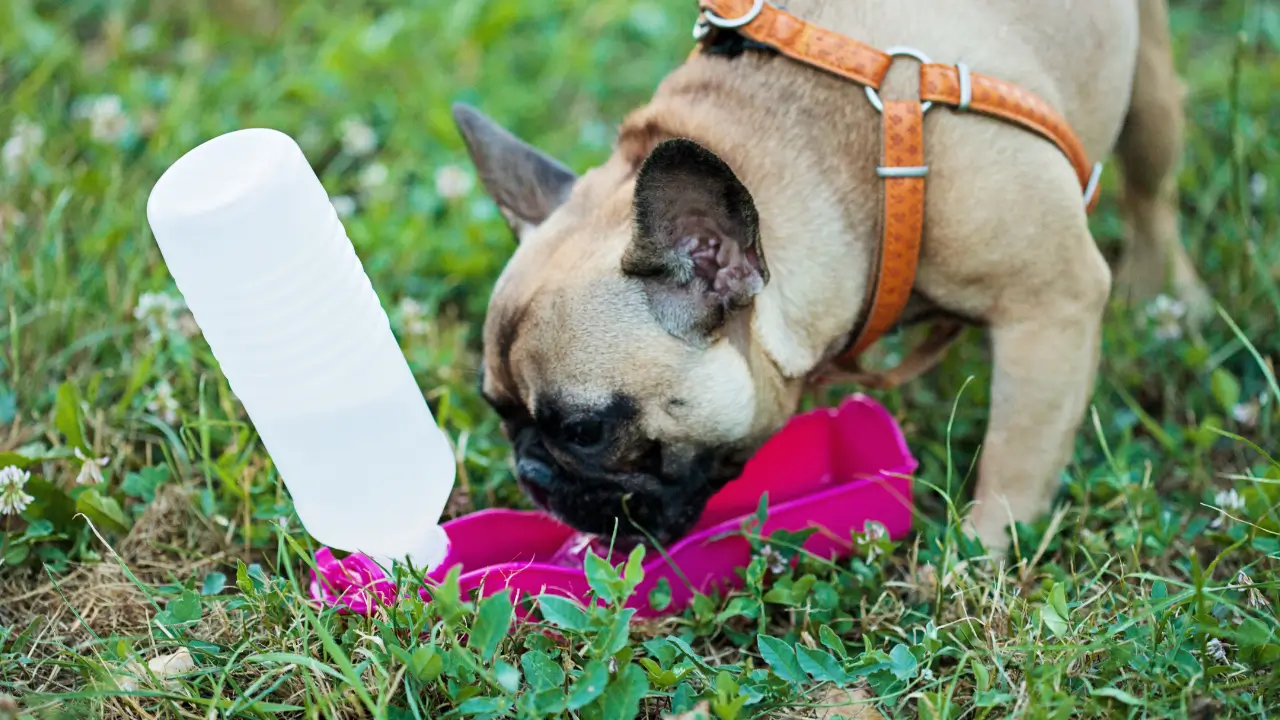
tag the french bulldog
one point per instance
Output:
(663, 312)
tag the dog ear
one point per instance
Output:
(526, 183)
(696, 240)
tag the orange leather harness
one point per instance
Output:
(902, 160)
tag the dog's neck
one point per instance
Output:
(781, 134)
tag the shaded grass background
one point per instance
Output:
(188, 492)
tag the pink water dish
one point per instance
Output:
(834, 469)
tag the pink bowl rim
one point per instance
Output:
(903, 469)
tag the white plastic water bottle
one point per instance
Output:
(256, 248)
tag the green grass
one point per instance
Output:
(1126, 601)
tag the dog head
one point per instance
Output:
(617, 344)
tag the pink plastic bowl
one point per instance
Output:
(833, 469)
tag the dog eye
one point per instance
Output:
(584, 434)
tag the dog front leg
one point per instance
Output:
(1046, 352)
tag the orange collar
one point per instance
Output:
(902, 157)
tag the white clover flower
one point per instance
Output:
(1217, 650)
(106, 116)
(453, 182)
(164, 313)
(1246, 413)
(13, 500)
(1227, 501)
(773, 558)
(22, 146)
(413, 317)
(344, 205)
(12, 475)
(163, 403)
(358, 139)
(90, 468)
(373, 176)
(1166, 314)
(148, 305)
(872, 535)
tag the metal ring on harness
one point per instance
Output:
(708, 18)
(898, 51)
(720, 22)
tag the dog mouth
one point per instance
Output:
(628, 506)
(540, 497)
(626, 516)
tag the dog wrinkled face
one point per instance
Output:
(616, 346)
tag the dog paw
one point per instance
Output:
(991, 530)
(1143, 290)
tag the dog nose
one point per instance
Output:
(534, 473)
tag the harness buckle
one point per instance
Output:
(898, 51)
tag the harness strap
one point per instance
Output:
(956, 86)
(802, 41)
(903, 170)
(952, 85)
(922, 358)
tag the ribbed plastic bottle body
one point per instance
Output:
(274, 283)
